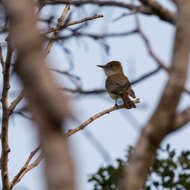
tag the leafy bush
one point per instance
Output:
(169, 171)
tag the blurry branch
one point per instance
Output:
(84, 92)
(76, 80)
(59, 25)
(151, 53)
(161, 12)
(56, 29)
(5, 120)
(101, 91)
(49, 107)
(27, 167)
(95, 36)
(162, 120)
(96, 116)
(148, 46)
(16, 101)
(145, 76)
(1, 58)
(124, 15)
(182, 119)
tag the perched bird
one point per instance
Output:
(117, 84)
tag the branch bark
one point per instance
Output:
(163, 14)
(96, 116)
(5, 121)
(162, 120)
(49, 107)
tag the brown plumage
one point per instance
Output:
(117, 84)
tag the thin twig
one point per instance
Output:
(95, 36)
(170, 17)
(96, 116)
(16, 101)
(101, 91)
(151, 53)
(56, 29)
(1, 58)
(5, 121)
(59, 24)
(159, 10)
(147, 43)
(27, 167)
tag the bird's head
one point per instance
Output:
(112, 68)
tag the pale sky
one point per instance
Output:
(114, 131)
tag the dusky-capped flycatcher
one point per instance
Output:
(117, 84)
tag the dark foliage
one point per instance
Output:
(170, 171)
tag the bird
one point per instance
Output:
(117, 84)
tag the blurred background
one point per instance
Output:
(78, 53)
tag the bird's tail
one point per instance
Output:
(127, 102)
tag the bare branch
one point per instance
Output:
(96, 36)
(16, 101)
(182, 119)
(159, 10)
(5, 120)
(49, 107)
(151, 52)
(162, 14)
(101, 91)
(1, 58)
(27, 167)
(56, 29)
(162, 121)
(147, 43)
(59, 25)
(96, 116)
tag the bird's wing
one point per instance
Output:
(119, 84)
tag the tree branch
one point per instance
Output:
(96, 116)
(58, 28)
(182, 119)
(169, 17)
(5, 120)
(1, 58)
(49, 107)
(160, 11)
(16, 101)
(27, 167)
(59, 25)
(162, 120)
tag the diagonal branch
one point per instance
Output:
(162, 121)
(59, 25)
(1, 58)
(169, 17)
(56, 29)
(151, 52)
(160, 11)
(27, 167)
(96, 116)
(50, 109)
(5, 120)
(16, 101)
(182, 119)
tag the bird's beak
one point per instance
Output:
(101, 66)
